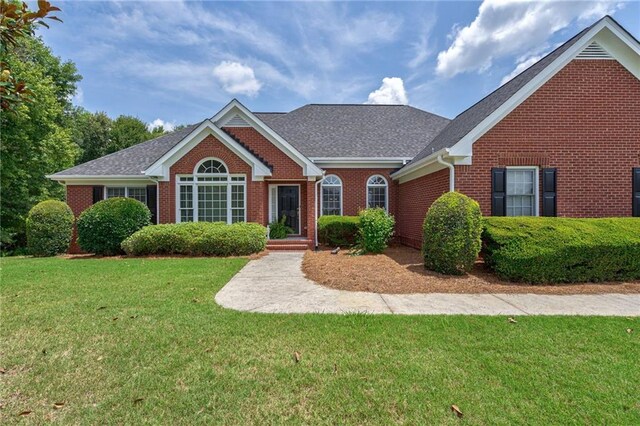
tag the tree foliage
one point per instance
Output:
(17, 23)
(36, 139)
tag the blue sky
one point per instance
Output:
(181, 61)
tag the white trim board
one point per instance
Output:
(162, 166)
(235, 108)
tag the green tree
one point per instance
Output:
(91, 132)
(17, 23)
(126, 131)
(156, 131)
(35, 138)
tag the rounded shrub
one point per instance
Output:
(338, 231)
(49, 228)
(103, 226)
(376, 229)
(452, 233)
(197, 239)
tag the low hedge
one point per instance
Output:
(338, 231)
(451, 234)
(558, 250)
(49, 228)
(103, 226)
(197, 239)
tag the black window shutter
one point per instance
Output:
(98, 193)
(636, 192)
(152, 202)
(549, 198)
(498, 192)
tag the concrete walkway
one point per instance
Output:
(275, 283)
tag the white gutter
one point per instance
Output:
(452, 173)
(315, 204)
(419, 164)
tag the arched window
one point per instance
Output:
(377, 192)
(211, 194)
(332, 195)
(211, 167)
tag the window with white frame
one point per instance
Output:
(521, 191)
(211, 194)
(377, 192)
(332, 196)
(136, 192)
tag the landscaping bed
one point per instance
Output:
(400, 270)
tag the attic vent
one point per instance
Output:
(594, 51)
(236, 121)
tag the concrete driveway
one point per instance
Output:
(275, 283)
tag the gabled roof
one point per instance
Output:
(129, 161)
(472, 118)
(339, 131)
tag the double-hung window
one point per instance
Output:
(211, 194)
(331, 195)
(377, 192)
(136, 192)
(521, 192)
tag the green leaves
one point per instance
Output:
(451, 234)
(376, 228)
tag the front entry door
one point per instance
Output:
(289, 206)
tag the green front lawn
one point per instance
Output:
(142, 340)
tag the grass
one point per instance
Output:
(174, 356)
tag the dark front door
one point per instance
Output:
(289, 206)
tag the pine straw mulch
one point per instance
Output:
(399, 270)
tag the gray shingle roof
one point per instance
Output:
(470, 118)
(130, 161)
(320, 130)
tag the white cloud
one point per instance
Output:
(506, 27)
(521, 66)
(391, 92)
(237, 78)
(422, 48)
(166, 125)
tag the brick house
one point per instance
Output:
(560, 139)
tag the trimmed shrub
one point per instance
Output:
(49, 228)
(451, 234)
(103, 226)
(338, 231)
(376, 229)
(278, 230)
(198, 239)
(559, 250)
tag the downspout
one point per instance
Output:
(452, 173)
(315, 205)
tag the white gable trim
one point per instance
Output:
(163, 165)
(235, 108)
(607, 33)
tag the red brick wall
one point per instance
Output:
(585, 121)
(79, 198)
(354, 188)
(415, 198)
(283, 166)
(210, 147)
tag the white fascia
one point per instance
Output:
(235, 107)
(360, 162)
(161, 167)
(607, 33)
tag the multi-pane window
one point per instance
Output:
(377, 192)
(332, 195)
(211, 195)
(136, 192)
(521, 192)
